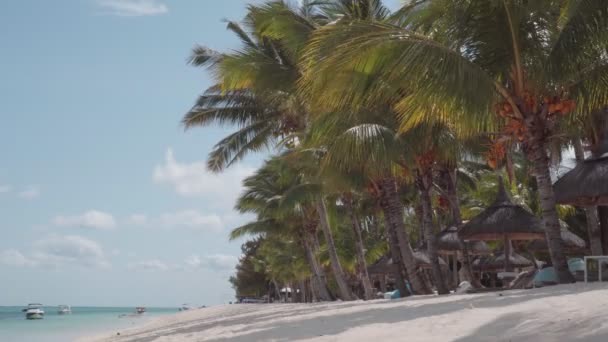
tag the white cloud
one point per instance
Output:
(193, 179)
(4, 189)
(56, 251)
(30, 192)
(191, 219)
(137, 220)
(13, 257)
(217, 262)
(91, 219)
(133, 8)
(149, 265)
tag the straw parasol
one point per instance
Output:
(423, 260)
(587, 183)
(493, 263)
(503, 220)
(385, 265)
(572, 242)
(449, 243)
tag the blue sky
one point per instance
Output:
(104, 200)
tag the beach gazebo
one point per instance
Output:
(505, 221)
(587, 183)
(451, 245)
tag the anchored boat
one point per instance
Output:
(34, 311)
(64, 310)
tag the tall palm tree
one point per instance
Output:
(365, 142)
(532, 62)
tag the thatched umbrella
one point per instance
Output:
(494, 263)
(572, 242)
(503, 220)
(423, 260)
(587, 183)
(385, 266)
(449, 243)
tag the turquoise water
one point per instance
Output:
(84, 321)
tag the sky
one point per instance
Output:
(104, 199)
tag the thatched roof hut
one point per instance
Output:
(503, 220)
(494, 263)
(586, 184)
(448, 242)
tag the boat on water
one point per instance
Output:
(34, 311)
(185, 307)
(64, 309)
(140, 310)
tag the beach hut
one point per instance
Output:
(503, 221)
(587, 183)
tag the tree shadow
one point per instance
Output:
(517, 327)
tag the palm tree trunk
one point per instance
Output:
(464, 258)
(359, 251)
(393, 244)
(424, 182)
(277, 289)
(540, 164)
(593, 224)
(602, 213)
(334, 260)
(393, 210)
(319, 281)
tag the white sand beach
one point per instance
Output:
(574, 312)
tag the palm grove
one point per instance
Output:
(387, 127)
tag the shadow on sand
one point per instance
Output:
(262, 328)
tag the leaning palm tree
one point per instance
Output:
(263, 196)
(366, 143)
(530, 62)
(254, 88)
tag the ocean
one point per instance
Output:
(83, 321)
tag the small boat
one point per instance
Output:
(34, 311)
(64, 309)
(140, 310)
(185, 307)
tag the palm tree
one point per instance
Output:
(365, 143)
(255, 85)
(532, 62)
(263, 196)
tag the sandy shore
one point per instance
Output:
(560, 313)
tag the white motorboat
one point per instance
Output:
(34, 311)
(140, 310)
(64, 309)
